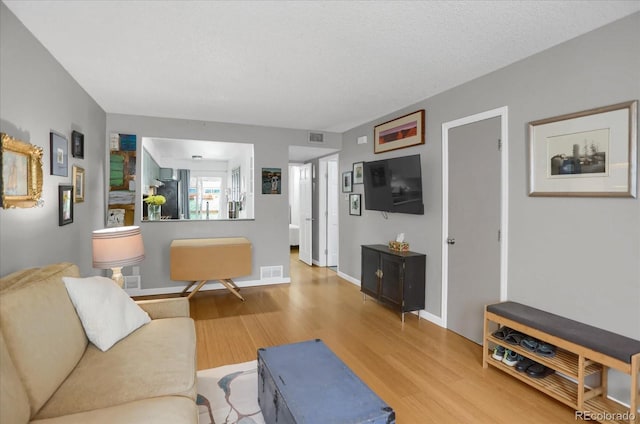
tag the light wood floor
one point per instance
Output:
(427, 374)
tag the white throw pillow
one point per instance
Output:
(107, 313)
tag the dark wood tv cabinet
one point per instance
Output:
(394, 278)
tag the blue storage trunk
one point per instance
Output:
(306, 383)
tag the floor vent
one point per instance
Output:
(132, 282)
(268, 273)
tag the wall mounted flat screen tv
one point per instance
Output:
(394, 185)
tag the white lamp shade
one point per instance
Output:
(117, 247)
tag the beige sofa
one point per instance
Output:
(51, 374)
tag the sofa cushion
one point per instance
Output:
(158, 359)
(16, 279)
(107, 313)
(42, 332)
(14, 403)
(166, 308)
(162, 410)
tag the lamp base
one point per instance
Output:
(117, 276)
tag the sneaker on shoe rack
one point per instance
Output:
(511, 358)
(498, 353)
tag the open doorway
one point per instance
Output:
(301, 211)
(294, 207)
(313, 231)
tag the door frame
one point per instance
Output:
(323, 215)
(503, 113)
(307, 168)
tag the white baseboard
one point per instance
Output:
(208, 286)
(349, 278)
(430, 317)
(319, 262)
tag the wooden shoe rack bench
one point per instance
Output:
(581, 351)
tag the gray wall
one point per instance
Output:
(598, 270)
(269, 232)
(37, 96)
(577, 257)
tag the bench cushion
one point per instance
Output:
(603, 341)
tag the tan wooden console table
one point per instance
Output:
(202, 260)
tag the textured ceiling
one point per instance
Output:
(313, 65)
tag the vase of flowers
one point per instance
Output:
(154, 206)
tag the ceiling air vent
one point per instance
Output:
(315, 137)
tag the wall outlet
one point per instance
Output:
(132, 282)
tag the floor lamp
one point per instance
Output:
(116, 247)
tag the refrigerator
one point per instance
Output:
(170, 191)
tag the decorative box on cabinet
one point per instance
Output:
(394, 278)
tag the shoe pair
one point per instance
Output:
(506, 356)
(533, 368)
(516, 338)
(538, 347)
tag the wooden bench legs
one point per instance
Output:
(233, 288)
(227, 282)
(635, 386)
(485, 351)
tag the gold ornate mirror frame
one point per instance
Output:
(21, 179)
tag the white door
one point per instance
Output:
(306, 218)
(332, 213)
(474, 211)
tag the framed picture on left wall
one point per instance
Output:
(77, 145)
(59, 155)
(21, 173)
(78, 184)
(65, 205)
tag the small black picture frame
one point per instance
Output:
(358, 172)
(77, 144)
(347, 182)
(355, 204)
(65, 205)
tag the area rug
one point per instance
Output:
(229, 395)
